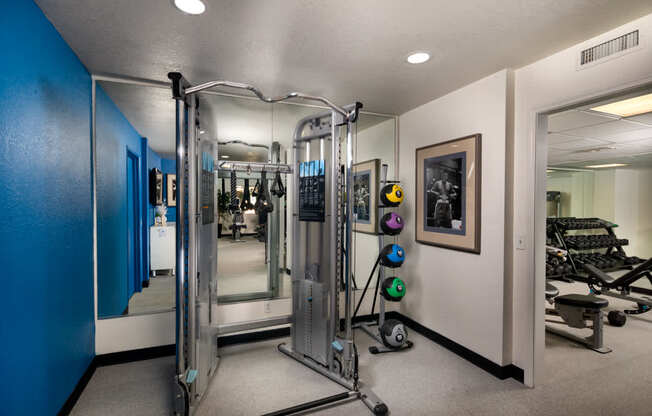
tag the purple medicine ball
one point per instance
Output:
(391, 223)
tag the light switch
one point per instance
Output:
(520, 242)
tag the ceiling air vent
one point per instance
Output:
(611, 47)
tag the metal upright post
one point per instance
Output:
(334, 229)
(381, 245)
(348, 229)
(192, 237)
(273, 227)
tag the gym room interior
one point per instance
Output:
(326, 208)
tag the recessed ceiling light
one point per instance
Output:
(629, 107)
(607, 165)
(418, 57)
(225, 156)
(190, 6)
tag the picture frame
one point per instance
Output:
(448, 194)
(171, 189)
(366, 183)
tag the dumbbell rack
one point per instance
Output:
(366, 326)
(577, 243)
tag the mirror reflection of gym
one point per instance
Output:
(252, 187)
(136, 198)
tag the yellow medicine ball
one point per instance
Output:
(391, 195)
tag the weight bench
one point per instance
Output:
(601, 283)
(575, 311)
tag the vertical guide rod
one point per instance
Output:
(334, 255)
(348, 215)
(181, 228)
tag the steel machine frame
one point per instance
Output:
(321, 261)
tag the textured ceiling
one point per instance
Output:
(151, 111)
(581, 137)
(345, 50)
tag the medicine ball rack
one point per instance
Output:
(367, 326)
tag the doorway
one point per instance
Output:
(592, 212)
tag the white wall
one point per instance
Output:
(632, 208)
(603, 194)
(548, 84)
(460, 295)
(576, 193)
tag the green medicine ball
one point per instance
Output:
(393, 289)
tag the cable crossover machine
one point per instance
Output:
(321, 255)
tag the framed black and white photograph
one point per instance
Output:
(448, 194)
(172, 189)
(365, 196)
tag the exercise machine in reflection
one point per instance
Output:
(269, 217)
(322, 251)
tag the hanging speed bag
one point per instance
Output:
(391, 223)
(393, 289)
(392, 255)
(391, 195)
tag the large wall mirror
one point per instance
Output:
(135, 175)
(135, 170)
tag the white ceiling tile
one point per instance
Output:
(630, 136)
(637, 143)
(573, 119)
(605, 130)
(555, 138)
(578, 144)
(643, 118)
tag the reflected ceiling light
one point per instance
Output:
(190, 6)
(606, 165)
(418, 57)
(225, 156)
(629, 107)
(202, 131)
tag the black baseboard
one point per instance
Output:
(255, 336)
(79, 388)
(123, 357)
(501, 372)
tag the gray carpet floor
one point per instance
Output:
(159, 296)
(426, 380)
(243, 268)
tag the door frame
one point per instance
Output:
(537, 224)
(134, 158)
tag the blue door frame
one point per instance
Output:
(134, 226)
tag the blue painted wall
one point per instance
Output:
(166, 166)
(153, 162)
(114, 135)
(169, 166)
(47, 324)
